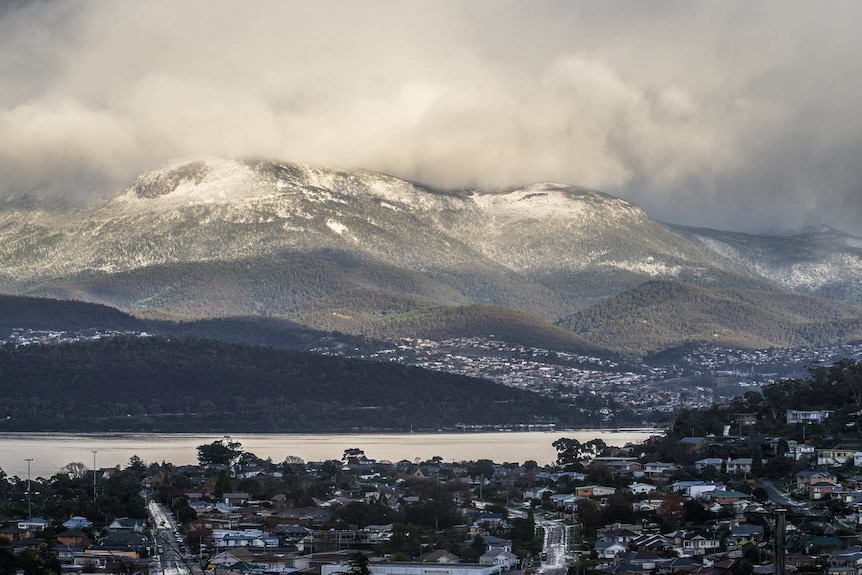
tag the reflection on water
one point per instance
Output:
(52, 451)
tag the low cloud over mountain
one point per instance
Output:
(730, 115)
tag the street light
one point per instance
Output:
(94, 474)
(29, 513)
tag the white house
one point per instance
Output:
(800, 451)
(641, 488)
(34, 524)
(696, 489)
(608, 549)
(740, 465)
(499, 556)
(801, 416)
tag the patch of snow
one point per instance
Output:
(336, 226)
(648, 266)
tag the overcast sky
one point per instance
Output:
(733, 115)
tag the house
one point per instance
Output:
(807, 477)
(236, 499)
(821, 490)
(835, 456)
(857, 459)
(78, 522)
(618, 533)
(609, 549)
(538, 493)
(744, 533)
(641, 488)
(657, 468)
(693, 542)
(801, 560)
(439, 556)
(127, 524)
(740, 465)
(702, 464)
(745, 419)
(34, 524)
(12, 534)
(624, 467)
(126, 543)
(500, 557)
(565, 500)
(595, 491)
(846, 559)
(696, 489)
(800, 451)
(798, 416)
(73, 538)
(652, 542)
(726, 497)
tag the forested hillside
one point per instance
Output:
(182, 384)
(663, 314)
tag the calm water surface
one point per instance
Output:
(52, 451)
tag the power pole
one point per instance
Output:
(94, 475)
(780, 528)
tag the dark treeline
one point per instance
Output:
(131, 383)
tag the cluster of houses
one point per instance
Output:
(79, 548)
(234, 532)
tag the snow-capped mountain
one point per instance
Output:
(339, 249)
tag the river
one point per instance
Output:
(51, 451)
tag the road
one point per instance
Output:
(555, 550)
(782, 500)
(170, 559)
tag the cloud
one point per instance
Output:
(728, 114)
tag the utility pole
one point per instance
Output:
(94, 474)
(29, 513)
(780, 527)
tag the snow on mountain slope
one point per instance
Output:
(815, 261)
(543, 248)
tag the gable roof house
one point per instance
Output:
(697, 542)
(499, 556)
(78, 522)
(821, 490)
(808, 476)
(609, 549)
(33, 524)
(652, 542)
(641, 488)
(127, 524)
(439, 556)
